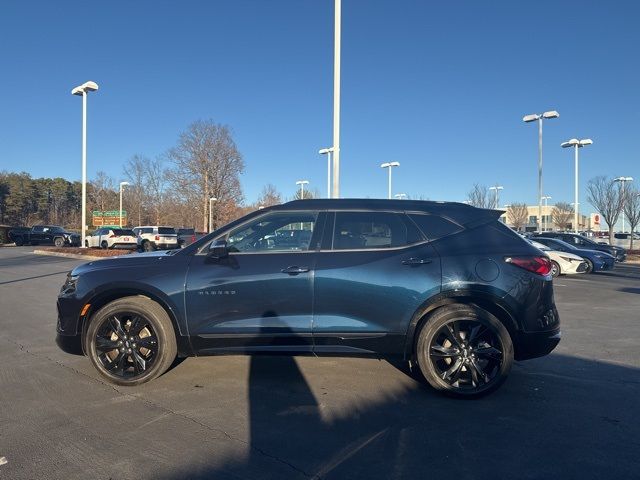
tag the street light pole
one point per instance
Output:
(327, 151)
(336, 100)
(546, 224)
(532, 118)
(122, 184)
(497, 188)
(576, 144)
(211, 200)
(389, 165)
(83, 90)
(302, 183)
(622, 181)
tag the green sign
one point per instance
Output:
(108, 219)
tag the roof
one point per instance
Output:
(460, 212)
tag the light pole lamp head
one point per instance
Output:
(122, 184)
(570, 143)
(324, 151)
(213, 199)
(85, 88)
(496, 187)
(390, 164)
(550, 114)
(531, 118)
(623, 179)
(586, 141)
(302, 182)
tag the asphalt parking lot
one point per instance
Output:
(573, 414)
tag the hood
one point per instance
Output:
(129, 260)
(598, 252)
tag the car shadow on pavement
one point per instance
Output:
(33, 278)
(556, 417)
(629, 290)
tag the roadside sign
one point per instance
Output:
(109, 218)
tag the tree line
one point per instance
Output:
(172, 189)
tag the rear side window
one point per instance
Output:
(434, 226)
(166, 231)
(186, 231)
(124, 232)
(370, 230)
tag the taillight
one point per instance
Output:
(193, 238)
(157, 237)
(539, 265)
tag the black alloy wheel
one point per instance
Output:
(464, 351)
(589, 265)
(131, 341)
(86, 243)
(104, 245)
(555, 269)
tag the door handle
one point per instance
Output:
(416, 261)
(294, 270)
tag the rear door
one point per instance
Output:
(373, 272)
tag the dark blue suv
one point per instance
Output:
(445, 287)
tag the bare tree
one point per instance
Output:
(207, 163)
(631, 209)
(518, 214)
(155, 177)
(135, 170)
(478, 196)
(269, 196)
(308, 194)
(606, 197)
(562, 214)
(102, 192)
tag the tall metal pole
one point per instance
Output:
(84, 169)
(336, 101)
(389, 194)
(577, 205)
(120, 211)
(211, 214)
(329, 174)
(540, 174)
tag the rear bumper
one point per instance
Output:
(536, 344)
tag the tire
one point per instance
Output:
(147, 246)
(555, 269)
(104, 245)
(19, 241)
(589, 266)
(468, 345)
(86, 243)
(58, 242)
(142, 337)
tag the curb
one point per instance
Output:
(68, 255)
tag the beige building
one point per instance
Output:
(584, 222)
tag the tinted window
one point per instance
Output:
(146, 230)
(186, 231)
(274, 232)
(365, 230)
(38, 229)
(435, 227)
(166, 231)
(124, 231)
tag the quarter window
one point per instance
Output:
(434, 226)
(369, 230)
(275, 232)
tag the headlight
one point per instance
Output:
(567, 259)
(69, 284)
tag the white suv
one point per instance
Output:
(111, 237)
(156, 238)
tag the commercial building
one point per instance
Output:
(591, 222)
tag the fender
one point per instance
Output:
(489, 298)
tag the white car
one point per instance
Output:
(112, 237)
(152, 238)
(562, 263)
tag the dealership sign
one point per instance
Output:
(110, 218)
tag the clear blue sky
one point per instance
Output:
(440, 87)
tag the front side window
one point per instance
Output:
(274, 232)
(370, 230)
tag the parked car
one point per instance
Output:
(44, 235)
(562, 263)
(150, 238)
(186, 236)
(583, 243)
(112, 237)
(444, 285)
(597, 261)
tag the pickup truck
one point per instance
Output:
(44, 234)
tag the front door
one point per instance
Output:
(260, 297)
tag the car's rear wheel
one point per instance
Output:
(131, 341)
(147, 246)
(589, 268)
(555, 268)
(86, 243)
(464, 351)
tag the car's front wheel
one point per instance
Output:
(147, 246)
(589, 268)
(130, 341)
(104, 245)
(464, 351)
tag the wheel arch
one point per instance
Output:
(100, 299)
(485, 300)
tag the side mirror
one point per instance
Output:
(218, 249)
